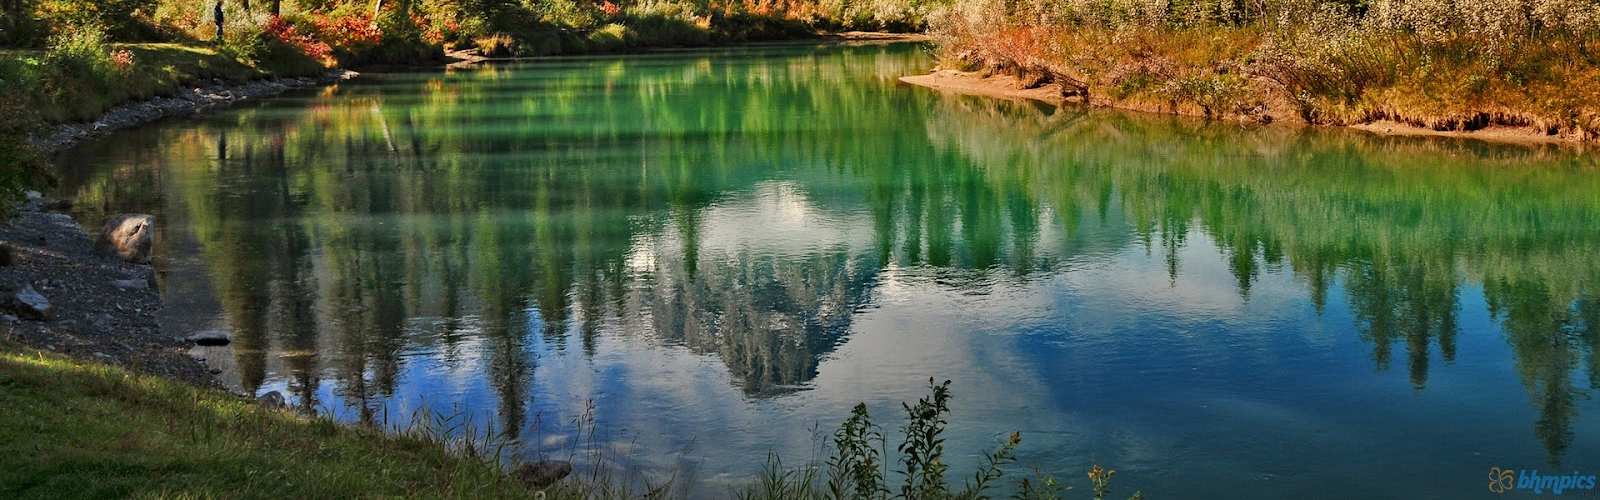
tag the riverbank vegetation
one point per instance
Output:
(1437, 64)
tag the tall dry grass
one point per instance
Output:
(1440, 64)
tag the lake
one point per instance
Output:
(685, 261)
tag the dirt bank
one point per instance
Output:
(1004, 86)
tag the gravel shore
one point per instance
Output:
(101, 308)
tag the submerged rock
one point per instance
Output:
(28, 303)
(272, 400)
(129, 236)
(209, 338)
(543, 473)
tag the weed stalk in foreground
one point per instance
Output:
(856, 470)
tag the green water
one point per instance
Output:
(705, 254)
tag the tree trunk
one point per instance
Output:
(276, 8)
(246, 4)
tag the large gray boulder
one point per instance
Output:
(129, 236)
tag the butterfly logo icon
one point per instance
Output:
(1501, 480)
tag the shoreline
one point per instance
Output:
(185, 101)
(469, 57)
(1009, 88)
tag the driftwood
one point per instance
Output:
(1070, 86)
(1035, 75)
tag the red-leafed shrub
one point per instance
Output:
(122, 60)
(347, 34)
(283, 32)
(429, 32)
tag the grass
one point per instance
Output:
(74, 430)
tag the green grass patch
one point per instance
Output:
(70, 429)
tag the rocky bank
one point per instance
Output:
(58, 293)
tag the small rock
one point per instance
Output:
(543, 473)
(209, 338)
(33, 195)
(129, 236)
(7, 319)
(270, 400)
(61, 219)
(131, 284)
(28, 303)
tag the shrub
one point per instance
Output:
(78, 75)
(283, 32)
(668, 24)
(496, 45)
(610, 37)
(854, 468)
(80, 53)
(356, 38)
(347, 34)
(276, 46)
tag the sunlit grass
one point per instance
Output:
(82, 430)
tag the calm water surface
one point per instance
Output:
(704, 255)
